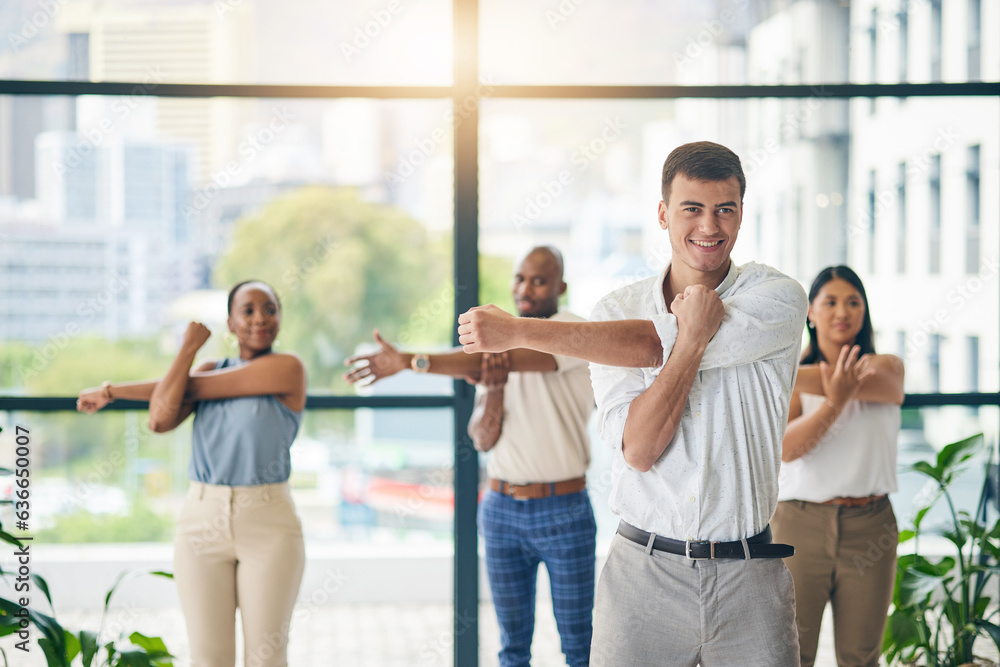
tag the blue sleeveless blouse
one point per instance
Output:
(242, 441)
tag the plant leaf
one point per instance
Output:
(975, 528)
(88, 646)
(943, 566)
(72, 645)
(7, 537)
(9, 623)
(127, 574)
(956, 537)
(919, 517)
(131, 574)
(906, 535)
(901, 630)
(927, 469)
(134, 657)
(43, 586)
(48, 625)
(916, 586)
(153, 645)
(982, 604)
(53, 658)
(951, 458)
(952, 609)
(992, 629)
(991, 548)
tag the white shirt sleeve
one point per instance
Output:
(760, 324)
(615, 387)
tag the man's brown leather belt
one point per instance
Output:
(539, 490)
(854, 502)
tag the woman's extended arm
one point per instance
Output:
(840, 384)
(94, 398)
(283, 376)
(884, 386)
(166, 402)
(279, 374)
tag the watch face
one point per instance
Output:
(421, 363)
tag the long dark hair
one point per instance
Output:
(865, 338)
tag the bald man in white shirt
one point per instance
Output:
(692, 371)
(531, 414)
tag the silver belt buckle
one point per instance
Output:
(687, 550)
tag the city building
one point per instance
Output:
(149, 45)
(106, 250)
(921, 228)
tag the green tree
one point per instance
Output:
(16, 358)
(87, 361)
(141, 524)
(433, 321)
(341, 266)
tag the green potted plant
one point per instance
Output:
(940, 606)
(63, 648)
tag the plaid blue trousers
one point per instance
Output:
(559, 531)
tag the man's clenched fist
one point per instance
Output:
(487, 329)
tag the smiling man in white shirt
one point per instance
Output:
(692, 371)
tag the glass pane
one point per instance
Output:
(733, 42)
(585, 175)
(384, 43)
(365, 476)
(373, 490)
(935, 295)
(370, 42)
(124, 218)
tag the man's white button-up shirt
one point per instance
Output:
(718, 478)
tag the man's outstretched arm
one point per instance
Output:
(389, 360)
(631, 343)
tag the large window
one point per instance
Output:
(153, 153)
(143, 211)
(366, 42)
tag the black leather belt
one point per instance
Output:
(758, 546)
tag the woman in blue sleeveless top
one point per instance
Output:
(239, 541)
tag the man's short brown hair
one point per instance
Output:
(702, 161)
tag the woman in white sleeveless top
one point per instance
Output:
(838, 467)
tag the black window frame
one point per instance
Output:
(466, 234)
